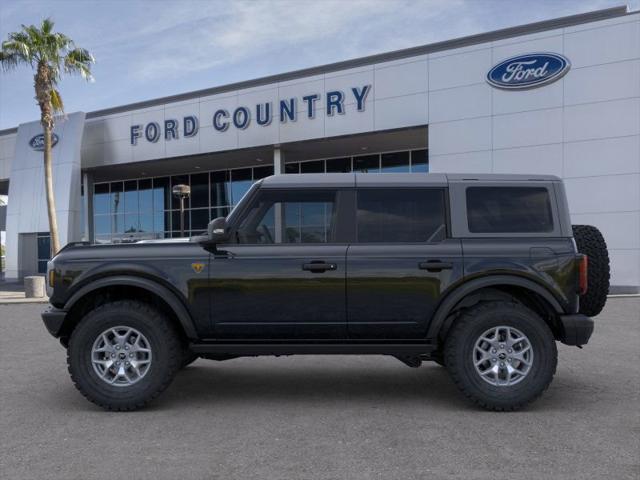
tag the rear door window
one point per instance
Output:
(509, 210)
(410, 215)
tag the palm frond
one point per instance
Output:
(9, 61)
(47, 26)
(79, 61)
(56, 101)
(19, 46)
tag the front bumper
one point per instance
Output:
(576, 329)
(53, 319)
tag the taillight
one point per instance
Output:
(583, 268)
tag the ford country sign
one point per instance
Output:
(528, 71)
(37, 142)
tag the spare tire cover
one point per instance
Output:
(590, 242)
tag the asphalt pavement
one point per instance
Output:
(314, 417)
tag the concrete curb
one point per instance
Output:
(11, 301)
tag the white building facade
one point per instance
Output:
(558, 97)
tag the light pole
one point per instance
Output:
(182, 192)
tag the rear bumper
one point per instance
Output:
(53, 319)
(576, 329)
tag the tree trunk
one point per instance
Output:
(43, 86)
(51, 201)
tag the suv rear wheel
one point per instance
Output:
(501, 355)
(123, 354)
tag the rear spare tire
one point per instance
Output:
(590, 242)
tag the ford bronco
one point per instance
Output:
(482, 274)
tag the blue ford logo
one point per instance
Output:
(528, 71)
(37, 142)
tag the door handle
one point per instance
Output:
(318, 267)
(435, 266)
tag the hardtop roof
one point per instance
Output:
(346, 180)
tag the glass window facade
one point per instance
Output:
(414, 161)
(140, 209)
(44, 251)
(132, 210)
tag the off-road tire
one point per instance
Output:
(469, 327)
(438, 358)
(188, 357)
(590, 242)
(165, 346)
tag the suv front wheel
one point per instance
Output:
(501, 355)
(123, 354)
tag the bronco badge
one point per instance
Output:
(197, 267)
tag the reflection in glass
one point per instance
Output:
(116, 198)
(146, 222)
(102, 224)
(101, 198)
(339, 165)
(219, 212)
(241, 180)
(200, 190)
(131, 223)
(161, 222)
(220, 189)
(396, 162)
(199, 218)
(292, 168)
(131, 196)
(317, 166)
(145, 195)
(261, 172)
(161, 194)
(367, 164)
(420, 161)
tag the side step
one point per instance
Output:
(253, 349)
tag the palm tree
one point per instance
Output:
(49, 54)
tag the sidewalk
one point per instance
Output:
(14, 293)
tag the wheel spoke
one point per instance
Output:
(502, 356)
(121, 356)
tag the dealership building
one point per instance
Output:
(557, 97)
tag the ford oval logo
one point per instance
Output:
(528, 71)
(37, 142)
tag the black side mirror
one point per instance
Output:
(217, 230)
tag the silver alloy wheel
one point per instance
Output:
(121, 356)
(502, 356)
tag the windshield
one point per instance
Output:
(249, 192)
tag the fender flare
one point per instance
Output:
(151, 286)
(467, 288)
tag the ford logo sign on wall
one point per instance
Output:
(37, 142)
(528, 71)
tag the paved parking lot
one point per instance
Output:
(321, 417)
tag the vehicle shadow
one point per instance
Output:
(209, 382)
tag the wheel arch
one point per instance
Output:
(113, 287)
(495, 287)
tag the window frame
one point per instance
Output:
(341, 234)
(445, 204)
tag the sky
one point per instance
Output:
(150, 49)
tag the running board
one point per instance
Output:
(253, 349)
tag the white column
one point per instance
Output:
(87, 221)
(278, 169)
(278, 161)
